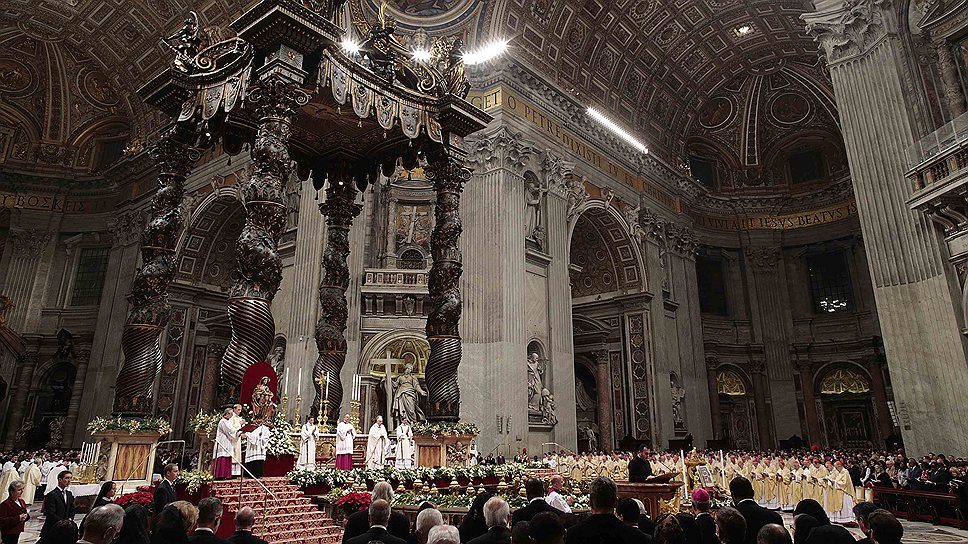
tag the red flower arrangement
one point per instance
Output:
(354, 502)
(143, 498)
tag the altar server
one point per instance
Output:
(255, 450)
(237, 424)
(226, 438)
(405, 445)
(345, 433)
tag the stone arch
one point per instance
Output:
(734, 387)
(845, 404)
(206, 250)
(407, 345)
(599, 238)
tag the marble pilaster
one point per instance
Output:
(914, 292)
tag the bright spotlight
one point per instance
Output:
(422, 55)
(486, 53)
(617, 130)
(350, 46)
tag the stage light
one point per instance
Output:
(486, 53)
(422, 55)
(617, 130)
(350, 46)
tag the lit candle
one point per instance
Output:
(299, 384)
(287, 378)
(327, 385)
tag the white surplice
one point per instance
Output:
(404, 446)
(376, 446)
(307, 446)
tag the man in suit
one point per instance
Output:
(536, 502)
(628, 511)
(862, 512)
(497, 513)
(602, 525)
(103, 524)
(165, 492)
(379, 515)
(705, 521)
(244, 521)
(640, 469)
(755, 515)
(885, 528)
(358, 522)
(209, 518)
(731, 526)
(58, 505)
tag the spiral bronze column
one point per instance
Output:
(340, 210)
(448, 174)
(259, 269)
(150, 310)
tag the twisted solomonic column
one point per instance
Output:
(448, 175)
(150, 310)
(340, 210)
(259, 269)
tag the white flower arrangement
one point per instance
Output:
(100, 424)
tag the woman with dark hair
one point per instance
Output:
(473, 524)
(803, 525)
(174, 523)
(669, 531)
(135, 528)
(813, 509)
(106, 495)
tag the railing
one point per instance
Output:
(928, 506)
(947, 136)
(265, 496)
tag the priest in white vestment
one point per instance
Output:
(344, 444)
(376, 444)
(226, 439)
(404, 445)
(61, 466)
(238, 423)
(255, 450)
(31, 481)
(307, 445)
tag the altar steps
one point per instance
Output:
(290, 518)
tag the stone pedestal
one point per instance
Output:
(127, 457)
(443, 451)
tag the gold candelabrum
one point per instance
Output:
(355, 413)
(324, 419)
(86, 474)
(284, 406)
(296, 424)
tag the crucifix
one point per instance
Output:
(411, 215)
(388, 363)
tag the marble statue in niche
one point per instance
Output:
(534, 193)
(277, 358)
(678, 396)
(406, 396)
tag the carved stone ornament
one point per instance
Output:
(762, 256)
(556, 171)
(31, 243)
(126, 227)
(682, 240)
(577, 194)
(849, 30)
(500, 149)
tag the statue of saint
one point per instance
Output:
(583, 400)
(548, 407)
(534, 383)
(406, 396)
(262, 406)
(277, 359)
(532, 194)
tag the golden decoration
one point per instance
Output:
(844, 380)
(729, 383)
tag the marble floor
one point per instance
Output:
(914, 532)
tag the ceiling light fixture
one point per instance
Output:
(422, 55)
(350, 46)
(617, 130)
(486, 53)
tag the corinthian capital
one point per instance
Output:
(556, 171)
(30, 243)
(848, 27)
(500, 149)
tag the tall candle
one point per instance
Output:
(299, 384)
(685, 480)
(327, 385)
(722, 467)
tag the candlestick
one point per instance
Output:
(297, 423)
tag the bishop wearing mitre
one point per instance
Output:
(344, 444)
(376, 444)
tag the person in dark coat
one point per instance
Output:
(536, 502)
(171, 526)
(473, 524)
(823, 532)
(862, 511)
(358, 523)
(755, 515)
(379, 516)
(105, 495)
(640, 469)
(58, 506)
(209, 518)
(244, 521)
(731, 526)
(135, 528)
(602, 525)
(628, 511)
(497, 513)
(165, 492)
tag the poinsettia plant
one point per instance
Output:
(354, 502)
(143, 498)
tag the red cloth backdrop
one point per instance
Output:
(251, 379)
